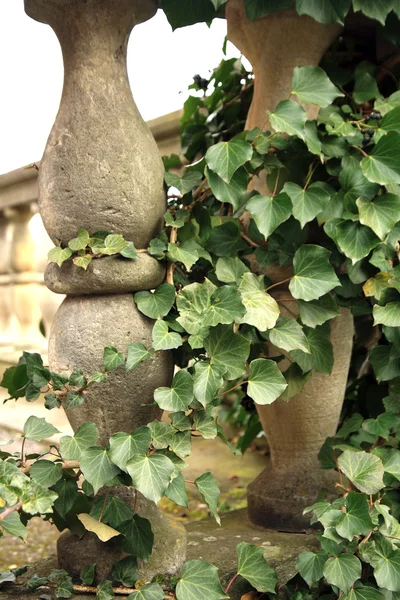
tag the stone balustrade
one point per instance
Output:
(27, 307)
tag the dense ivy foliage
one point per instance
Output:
(328, 218)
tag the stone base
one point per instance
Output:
(277, 499)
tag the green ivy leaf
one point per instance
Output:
(269, 211)
(375, 9)
(311, 84)
(176, 491)
(354, 183)
(265, 383)
(310, 566)
(81, 240)
(126, 571)
(96, 466)
(209, 490)
(185, 184)
(124, 445)
(386, 362)
(383, 164)
(37, 499)
(59, 255)
(162, 434)
(363, 592)
(67, 491)
(113, 510)
(227, 350)
(199, 581)
(365, 471)
(307, 203)
(380, 215)
(259, 8)
(114, 244)
(156, 304)
(231, 192)
(388, 315)
(289, 117)
(255, 569)
(164, 339)
(37, 429)
(185, 253)
(342, 571)
(112, 358)
(181, 443)
(129, 251)
(355, 240)
(88, 574)
(356, 519)
(208, 380)
(105, 590)
(324, 11)
(230, 270)
(289, 335)
(313, 273)
(46, 472)
(391, 121)
(13, 526)
(150, 475)
(137, 353)
(205, 424)
(188, 12)
(86, 435)
(317, 312)
(179, 395)
(262, 310)
(225, 158)
(387, 570)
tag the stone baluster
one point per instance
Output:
(101, 170)
(295, 430)
(9, 327)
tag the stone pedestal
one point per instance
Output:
(101, 170)
(296, 429)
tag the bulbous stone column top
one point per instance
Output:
(101, 169)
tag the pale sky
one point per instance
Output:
(161, 64)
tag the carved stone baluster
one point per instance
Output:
(101, 170)
(295, 430)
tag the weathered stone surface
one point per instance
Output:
(107, 275)
(101, 169)
(83, 326)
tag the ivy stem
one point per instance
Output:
(104, 505)
(231, 389)
(276, 183)
(10, 510)
(249, 240)
(88, 589)
(230, 583)
(309, 175)
(169, 278)
(135, 502)
(277, 283)
(189, 481)
(23, 451)
(361, 150)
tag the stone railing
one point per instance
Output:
(27, 307)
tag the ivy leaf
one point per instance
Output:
(225, 158)
(380, 215)
(88, 574)
(262, 310)
(37, 429)
(179, 395)
(113, 244)
(150, 475)
(310, 566)
(37, 499)
(67, 491)
(129, 251)
(176, 491)
(126, 571)
(185, 184)
(356, 519)
(208, 380)
(231, 192)
(365, 471)
(124, 445)
(255, 569)
(156, 304)
(225, 240)
(311, 84)
(184, 253)
(227, 350)
(86, 435)
(307, 203)
(59, 255)
(81, 240)
(101, 530)
(259, 8)
(383, 164)
(387, 571)
(199, 581)
(230, 270)
(149, 591)
(363, 592)
(105, 590)
(296, 380)
(386, 362)
(265, 383)
(354, 183)
(114, 511)
(112, 358)
(355, 240)
(96, 466)
(342, 571)
(391, 121)
(137, 353)
(164, 339)
(289, 335)
(374, 9)
(324, 11)
(205, 424)
(162, 434)
(13, 526)
(209, 490)
(46, 472)
(317, 312)
(289, 117)
(269, 211)
(313, 273)
(388, 315)
(188, 12)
